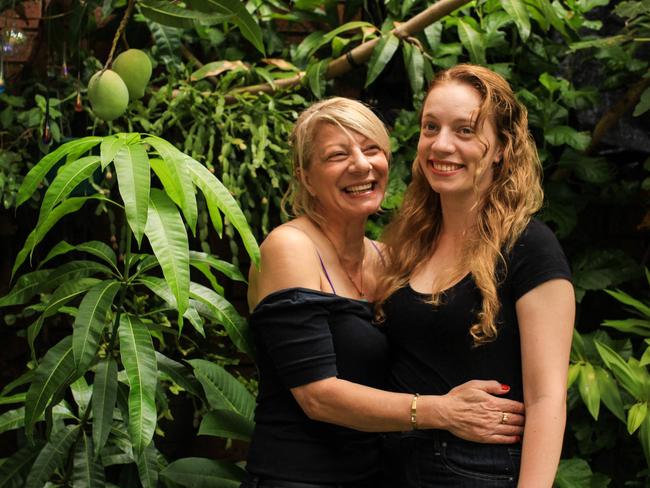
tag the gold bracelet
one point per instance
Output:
(414, 411)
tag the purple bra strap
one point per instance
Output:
(381, 256)
(322, 265)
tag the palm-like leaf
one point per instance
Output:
(168, 239)
(139, 359)
(90, 322)
(133, 176)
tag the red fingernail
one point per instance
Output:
(505, 387)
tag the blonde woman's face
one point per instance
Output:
(451, 149)
(347, 174)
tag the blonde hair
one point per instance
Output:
(503, 210)
(343, 112)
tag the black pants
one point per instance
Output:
(437, 459)
(252, 481)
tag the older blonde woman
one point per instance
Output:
(322, 362)
(475, 287)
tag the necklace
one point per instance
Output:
(359, 288)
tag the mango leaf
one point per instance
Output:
(238, 15)
(179, 374)
(645, 358)
(25, 288)
(472, 40)
(635, 416)
(86, 470)
(308, 45)
(644, 103)
(630, 326)
(382, 53)
(168, 239)
(90, 322)
(217, 196)
(81, 392)
(311, 45)
(588, 387)
(222, 390)
(215, 68)
(68, 206)
(148, 468)
(519, 13)
(171, 14)
(203, 473)
(228, 424)
(316, 77)
(549, 13)
(133, 177)
(34, 177)
(12, 419)
(96, 248)
(175, 177)
(19, 462)
(414, 62)
(644, 437)
(574, 473)
(574, 372)
(52, 457)
(68, 178)
(622, 370)
(139, 360)
(109, 147)
(228, 269)
(221, 311)
(103, 401)
(626, 299)
(609, 393)
(54, 372)
(559, 135)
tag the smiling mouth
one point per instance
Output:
(359, 189)
(445, 166)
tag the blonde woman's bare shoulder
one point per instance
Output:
(289, 259)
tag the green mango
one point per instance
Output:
(108, 95)
(134, 67)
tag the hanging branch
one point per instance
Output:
(118, 33)
(360, 54)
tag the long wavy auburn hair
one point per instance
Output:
(345, 113)
(503, 210)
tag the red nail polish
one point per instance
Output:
(505, 387)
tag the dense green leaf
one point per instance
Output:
(171, 14)
(222, 390)
(574, 372)
(109, 147)
(589, 391)
(203, 473)
(168, 239)
(26, 287)
(148, 467)
(644, 437)
(178, 183)
(179, 374)
(636, 415)
(621, 369)
(472, 41)
(573, 473)
(55, 371)
(81, 392)
(52, 456)
(18, 463)
(559, 135)
(630, 326)
(103, 401)
(228, 269)
(38, 172)
(90, 322)
(68, 206)
(316, 77)
(218, 197)
(87, 472)
(68, 178)
(239, 16)
(139, 360)
(626, 299)
(644, 103)
(381, 55)
(96, 248)
(221, 311)
(12, 419)
(519, 13)
(133, 176)
(414, 62)
(228, 424)
(609, 393)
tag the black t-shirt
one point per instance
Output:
(431, 347)
(303, 336)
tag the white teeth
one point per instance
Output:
(359, 188)
(440, 166)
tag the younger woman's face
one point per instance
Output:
(454, 154)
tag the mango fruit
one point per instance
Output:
(134, 67)
(108, 95)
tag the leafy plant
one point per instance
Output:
(93, 399)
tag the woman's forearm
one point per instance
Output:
(542, 446)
